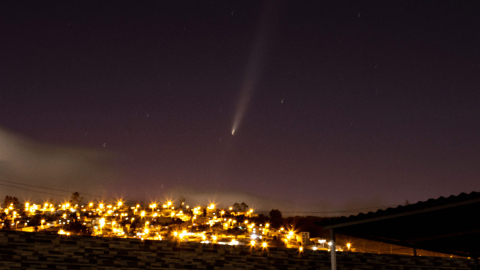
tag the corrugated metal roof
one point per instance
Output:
(422, 205)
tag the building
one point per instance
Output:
(303, 238)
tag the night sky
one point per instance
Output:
(336, 106)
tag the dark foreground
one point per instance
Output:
(24, 250)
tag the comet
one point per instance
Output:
(255, 61)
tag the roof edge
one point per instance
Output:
(407, 213)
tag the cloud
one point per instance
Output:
(25, 162)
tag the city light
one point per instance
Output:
(149, 222)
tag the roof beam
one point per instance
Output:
(409, 244)
(442, 236)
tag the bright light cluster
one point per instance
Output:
(157, 221)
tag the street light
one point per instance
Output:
(322, 241)
(102, 223)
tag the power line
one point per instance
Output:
(54, 189)
(69, 191)
(31, 190)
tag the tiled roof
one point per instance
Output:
(441, 201)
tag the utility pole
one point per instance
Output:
(333, 250)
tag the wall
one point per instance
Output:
(26, 250)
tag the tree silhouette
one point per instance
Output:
(77, 227)
(275, 213)
(75, 198)
(244, 206)
(35, 220)
(276, 218)
(10, 200)
(181, 202)
(260, 219)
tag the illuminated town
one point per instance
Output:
(165, 221)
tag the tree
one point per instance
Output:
(244, 206)
(77, 227)
(181, 202)
(276, 220)
(236, 207)
(75, 198)
(260, 219)
(35, 220)
(275, 214)
(9, 201)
